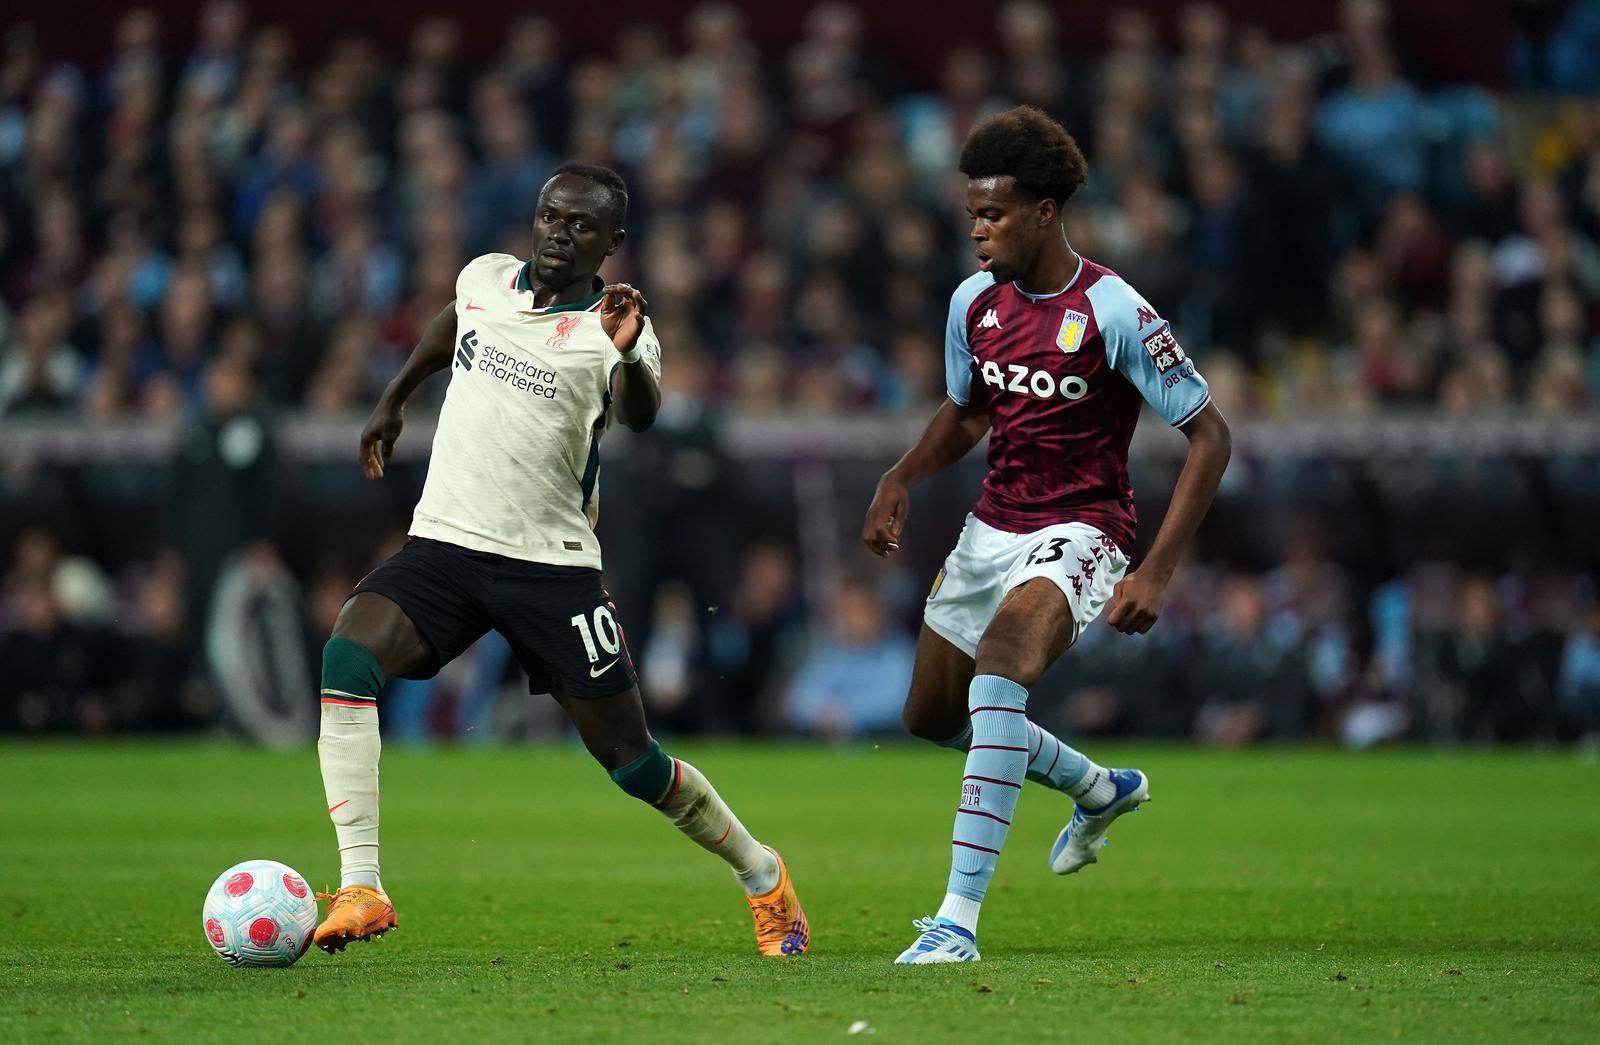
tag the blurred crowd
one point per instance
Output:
(1436, 653)
(1328, 228)
(216, 224)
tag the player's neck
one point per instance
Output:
(1051, 271)
(545, 296)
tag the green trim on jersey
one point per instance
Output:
(591, 468)
(524, 283)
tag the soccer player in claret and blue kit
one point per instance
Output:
(543, 358)
(1054, 357)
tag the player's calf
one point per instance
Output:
(348, 749)
(687, 798)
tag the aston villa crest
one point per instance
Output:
(1070, 336)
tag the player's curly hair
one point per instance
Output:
(1026, 144)
(606, 178)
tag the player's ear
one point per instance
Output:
(616, 241)
(1048, 213)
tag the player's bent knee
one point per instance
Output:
(915, 722)
(650, 777)
(926, 725)
(1009, 659)
(350, 673)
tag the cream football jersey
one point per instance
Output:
(516, 457)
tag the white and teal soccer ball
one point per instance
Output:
(259, 913)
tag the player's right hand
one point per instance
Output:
(887, 516)
(377, 439)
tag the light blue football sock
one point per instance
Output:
(1054, 764)
(1050, 762)
(996, 764)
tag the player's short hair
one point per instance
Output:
(604, 177)
(1026, 144)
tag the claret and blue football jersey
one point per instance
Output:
(1063, 377)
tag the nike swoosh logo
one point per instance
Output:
(596, 674)
(475, 308)
(969, 874)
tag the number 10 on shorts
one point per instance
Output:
(605, 628)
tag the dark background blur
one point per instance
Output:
(222, 227)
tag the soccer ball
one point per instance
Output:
(259, 913)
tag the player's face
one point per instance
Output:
(572, 231)
(1007, 226)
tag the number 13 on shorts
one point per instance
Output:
(986, 563)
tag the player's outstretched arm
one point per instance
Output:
(634, 385)
(954, 430)
(1136, 601)
(431, 355)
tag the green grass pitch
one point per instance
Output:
(1287, 895)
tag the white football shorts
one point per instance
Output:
(986, 563)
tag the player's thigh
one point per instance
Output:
(565, 633)
(936, 704)
(963, 600)
(1056, 582)
(419, 610)
(382, 628)
(1033, 626)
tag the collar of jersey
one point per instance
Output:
(523, 283)
(1044, 297)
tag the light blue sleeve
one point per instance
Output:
(957, 353)
(1141, 347)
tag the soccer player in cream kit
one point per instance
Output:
(1053, 357)
(543, 357)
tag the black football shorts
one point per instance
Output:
(560, 622)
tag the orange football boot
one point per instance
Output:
(355, 913)
(781, 926)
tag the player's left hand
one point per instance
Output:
(1136, 603)
(622, 315)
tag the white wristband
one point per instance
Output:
(634, 355)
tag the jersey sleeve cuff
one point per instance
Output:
(952, 397)
(1192, 414)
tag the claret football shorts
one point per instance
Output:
(986, 563)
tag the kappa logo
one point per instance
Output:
(1070, 337)
(466, 349)
(1147, 315)
(990, 320)
(564, 328)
